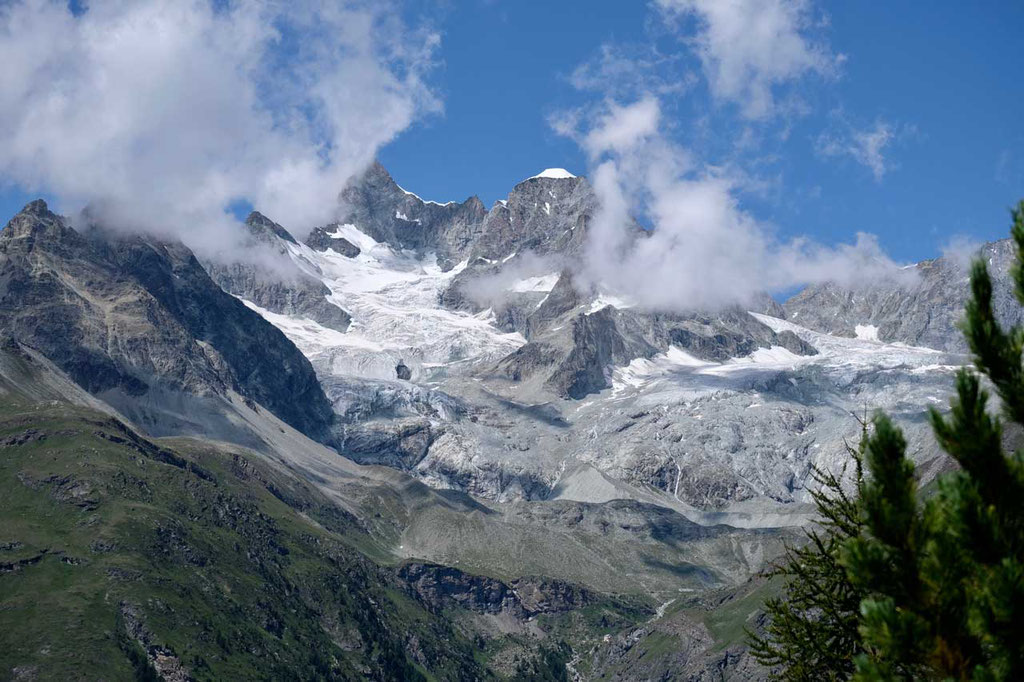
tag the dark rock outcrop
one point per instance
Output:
(262, 272)
(794, 343)
(127, 315)
(597, 344)
(323, 238)
(440, 587)
(559, 301)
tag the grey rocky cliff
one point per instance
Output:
(440, 587)
(576, 348)
(389, 214)
(262, 272)
(921, 308)
(324, 238)
(264, 230)
(135, 317)
(540, 215)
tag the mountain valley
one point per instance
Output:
(420, 442)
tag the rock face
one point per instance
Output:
(541, 215)
(389, 214)
(527, 382)
(263, 273)
(324, 238)
(138, 321)
(921, 309)
(263, 229)
(575, 347)
(438, 587)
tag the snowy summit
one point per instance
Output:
(557, 173)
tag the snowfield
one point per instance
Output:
(837, 356)
(392, 297)
(722, 442)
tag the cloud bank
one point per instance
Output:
(704, 250)
(162, 114)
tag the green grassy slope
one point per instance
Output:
(120, 558)
(126, 558)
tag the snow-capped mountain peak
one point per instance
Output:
(553, 173)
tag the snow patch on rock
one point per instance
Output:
(540, 283)
(605, 300)
(866, 332)
(555, 173)
(393, 298)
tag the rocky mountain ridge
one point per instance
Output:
(263, 273)
(139, 323)
(504, 387)
(922, 307)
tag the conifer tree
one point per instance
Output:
(811, 633)
(939, 579)
(946, 576)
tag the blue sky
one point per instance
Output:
(946, 77)
(940, 82)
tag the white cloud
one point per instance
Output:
(623, 127)
(867, 146)
(704, 250)
(961, 249)
(749, 47)
(162, 113)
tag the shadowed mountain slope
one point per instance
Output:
(139, 322)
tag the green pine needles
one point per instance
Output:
(812, 632)
(896, 586)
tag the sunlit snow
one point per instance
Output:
(556, 173)
(837, 355)
(393, 298)
(542, 283)
(867, 332)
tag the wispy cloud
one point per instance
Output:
(625, 71)
(748, 48)
(961, 249)
(162, 113)
(1009, 166)
(868, 146)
